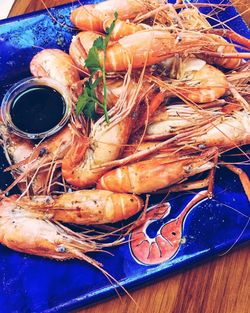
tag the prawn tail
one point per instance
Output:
(121, 28)
(92, 21)
(75, 154)
(230, 34)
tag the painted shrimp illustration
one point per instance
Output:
(166, 244)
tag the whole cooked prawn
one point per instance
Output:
(42, 158)
(104, 143)
(23, 231)
(26, 232)
(146, 47)
(157, 173)
(142, 48)
(17, 150)
(92, 16)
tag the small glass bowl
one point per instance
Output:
(21, 86)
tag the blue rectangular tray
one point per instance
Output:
(34, 284)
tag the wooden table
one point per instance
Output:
(219, 286)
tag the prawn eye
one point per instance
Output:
(61, 249)
(188, 168)
(42, 152)
(157, 89)
(179, 38)
(202, 146)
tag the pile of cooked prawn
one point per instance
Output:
(178, 98)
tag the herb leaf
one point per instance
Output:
(93, 61)
(99, 43)
(89, 110)
(110, 29)
(82, 102)
(87, 101)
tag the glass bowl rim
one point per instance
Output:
(19, 87)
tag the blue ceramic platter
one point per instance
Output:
(209, 228)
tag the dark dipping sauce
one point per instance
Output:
(37, 109)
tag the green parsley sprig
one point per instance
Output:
(87, 101)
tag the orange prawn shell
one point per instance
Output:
(121, 28)
(151, 175)
(145, 47)
(229, 131)
(139, 49)
(210, 85)
(219, 44)
(92, 16)
(109, 147)
(26, 233)
(59, 66)
(84, 206)
(132, 178)
(80, 46)
(104, 208)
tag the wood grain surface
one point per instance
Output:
(218, 286)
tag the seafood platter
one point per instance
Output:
(125, 133)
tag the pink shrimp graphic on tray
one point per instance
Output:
(152, 251)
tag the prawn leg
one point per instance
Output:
(186, 186)
(242, 176)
